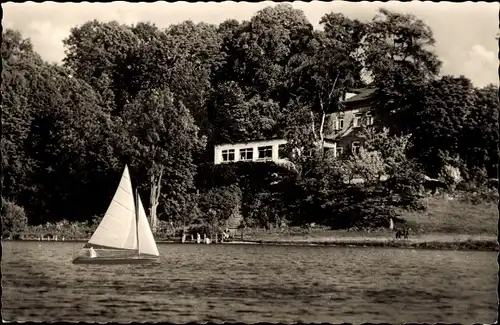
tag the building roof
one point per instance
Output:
(362, 94)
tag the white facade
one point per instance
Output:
(265, 150)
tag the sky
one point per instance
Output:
(465, 32)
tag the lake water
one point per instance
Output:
(252, 283)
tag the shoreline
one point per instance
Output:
(467, 244)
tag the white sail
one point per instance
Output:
(118, 227)
(147, 244)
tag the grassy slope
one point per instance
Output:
(443, 221)
(455, 217)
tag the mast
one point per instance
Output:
(137, 218)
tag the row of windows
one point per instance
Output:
(264, 153)
(338, 124)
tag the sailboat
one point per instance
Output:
(123, 235)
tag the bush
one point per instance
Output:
(363, 208)
(14, 219)
(480, 195)
(217, 204)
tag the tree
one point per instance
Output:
(161, 138)
(398, 57)
(257, 52)
(102, 54)
(236, 117)
(392, 149)
(66, 145)
(437, 127)
(20, 68)
(197, 48)
(53, 124)
(369, 165)
(129, 59)
(403, 174)
(325, 68)
(480, 133)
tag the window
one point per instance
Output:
(228, 155)
(339, 124)
(339, 151)
(369, 119)
(265, 152)
(355, 147)
(246, 154)
(355, 121)
(283, 151)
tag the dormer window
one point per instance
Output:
(369, 119)
(355, 147)
(338, 124)
(355, 121)
(339, 151)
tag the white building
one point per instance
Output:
(342, 133)
(262, 150)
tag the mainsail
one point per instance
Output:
(118, 227)
(147, 244)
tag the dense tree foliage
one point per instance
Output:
(398, 55)
(160, 138)
(159, 99)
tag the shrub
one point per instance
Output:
(218, 204)
(14, 219)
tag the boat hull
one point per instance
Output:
(109, 260)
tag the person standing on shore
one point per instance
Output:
(198, 238)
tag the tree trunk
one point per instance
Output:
(313, 128)
(154, 197)
(322, 126)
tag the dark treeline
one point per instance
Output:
(160, 99)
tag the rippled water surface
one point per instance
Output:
(252, 283)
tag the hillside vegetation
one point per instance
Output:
(455, 216)
(159, 100)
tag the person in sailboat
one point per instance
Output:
(92, 252)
